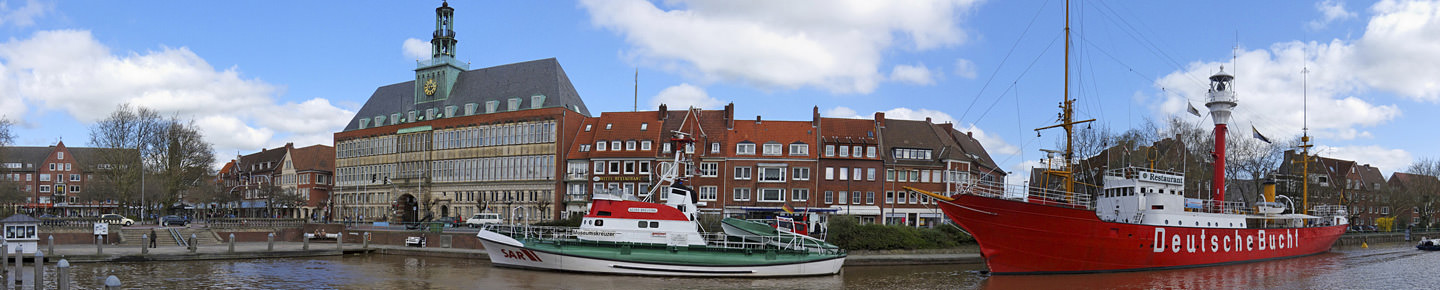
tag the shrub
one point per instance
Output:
(847, 233)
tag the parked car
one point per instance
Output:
(480, 219)
(117, 219)
(451, 221)
(174, 220)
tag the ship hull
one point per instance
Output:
(679, 261)
(1017, 237)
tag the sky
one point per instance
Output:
(1363, 76)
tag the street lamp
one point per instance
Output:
(140, 154)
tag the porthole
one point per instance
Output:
(1167, 222)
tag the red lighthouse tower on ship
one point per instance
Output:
(1221, 99)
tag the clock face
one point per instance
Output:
(430, 87)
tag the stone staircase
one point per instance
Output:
(163, 237)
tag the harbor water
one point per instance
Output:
(1394, 266)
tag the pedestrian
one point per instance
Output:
(152, 238)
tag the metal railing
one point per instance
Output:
(715, 240)
(75, 222)
(239, 223)
(179, 240)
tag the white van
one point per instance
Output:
(483, 218)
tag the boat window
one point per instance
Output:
(1167, 222)
(1157, 207)
(599, 223)
(602, 213)
(654, 224)
(644, 224)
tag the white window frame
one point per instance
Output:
(645, 145)
(745, 149)
(708, 192)
(741, 194)
(844, 151)
(829, 150)
(742, 172)
(772, 149)
(870, 152)
(799, 194)
(779, 193)
(799, 149)
(599, 167)
(715, 147)
(709, 169)
(870, 174)
(643, 166)
(800, 173)
(630, 145)
(777, 176)
(600, 145)
(829, 173)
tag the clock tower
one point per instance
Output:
(435, 77)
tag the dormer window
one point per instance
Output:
(587, 127)
(745, 148)
(609, 125)
(644, 126)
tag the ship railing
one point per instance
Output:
(721, 240)
(1328, 210)
(1134, 172)
(1047, 196)
(1216, 206)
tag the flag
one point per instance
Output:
(788, 209)
(1257, 134)
(1192, 109)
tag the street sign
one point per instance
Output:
(102, 228)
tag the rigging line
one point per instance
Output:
(995, 73)
(1137, 35)
(1022, 74)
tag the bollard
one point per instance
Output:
(4, 256)
(52, 246)
(366, 241)
(62, 275)
(112, 283)
(39, 281)
(14, 276)
(340, 242)
(307, 242)
(193, 246)
(232, 243)
(144, 249)
(99, 245)
(270, 240)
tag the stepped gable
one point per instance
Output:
(497, 83)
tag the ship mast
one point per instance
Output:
(1066, 120)
(1305, 143)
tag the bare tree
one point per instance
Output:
(173, 152)
(126, 128)
(10, 190)
(1419, 195)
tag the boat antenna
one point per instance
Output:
(1305, 138)
(636, 108)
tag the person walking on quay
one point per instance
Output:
(152, 238)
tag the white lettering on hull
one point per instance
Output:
(1237, 242)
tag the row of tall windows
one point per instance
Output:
(622, 167)
(532, 167)
(496, 135)
(926, 176)
(366, 147)
(365, 175)
(769, 149)
(846, 173)
(846, 150)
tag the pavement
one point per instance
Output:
(252, 250)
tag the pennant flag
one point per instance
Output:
(1257, 134)
(1192, 109)
(788, 209)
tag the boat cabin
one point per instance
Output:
(1157, 197)
(615, 217)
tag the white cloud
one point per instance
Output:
(843, 112)
(684, 96)
(22, 16)
(912, 74)
(70, 71)
(415, 49)
(965, 68)
(1271, 90)
(937, 117)
(832, 45)
(1331, 10)
(1387, 160)
(993, 143)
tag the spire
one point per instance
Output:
(443, 42)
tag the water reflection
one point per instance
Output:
(1397, 266)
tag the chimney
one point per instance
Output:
(948, 127)
(927, 119)
(730, 116)
(970, 134)
(880, 119)
(757, 119)
(815, 120)
(290, 145)
(664, 112)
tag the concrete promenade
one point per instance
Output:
(253, 250)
